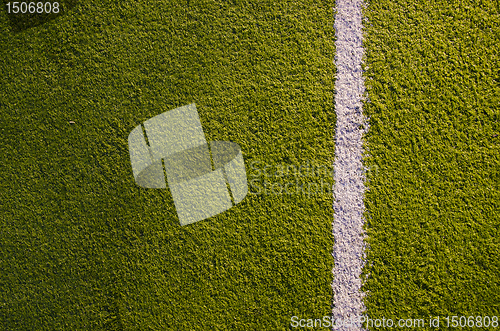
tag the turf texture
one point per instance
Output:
(433, 82)
(83, 247)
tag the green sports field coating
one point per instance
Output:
(83, 247)
(434, 192)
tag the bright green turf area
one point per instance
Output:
(434, 204)
(84, 248)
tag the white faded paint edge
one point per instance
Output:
(349, 187)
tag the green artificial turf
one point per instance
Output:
(82, 247)
(433, 82)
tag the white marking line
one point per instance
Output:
(349, 189)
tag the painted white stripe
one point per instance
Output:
(349, 189)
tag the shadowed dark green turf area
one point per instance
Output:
(84, 248)
(434, 204)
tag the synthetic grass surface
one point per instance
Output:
(433, 83)
(83, 247)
